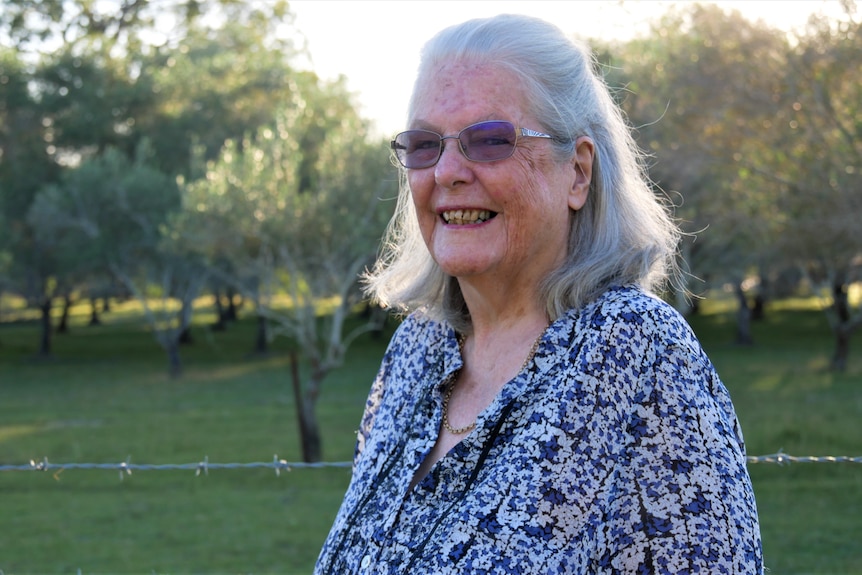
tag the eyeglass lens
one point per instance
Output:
(482, 142)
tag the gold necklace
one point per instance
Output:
(451, 385)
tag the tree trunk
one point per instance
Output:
(63, 326)
(220, 324)
(185, 329)
(94, 312)
(841, 302)
(694, 308)
(764, 291)
(186, 336)
(376, 316)
(231, 306)
(743, 317)
(842, 332)
(175, 364)
(758, 312)
(45, 344)
(842, 350)
(306, 403)
(261, 345)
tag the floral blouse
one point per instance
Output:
(616, 450)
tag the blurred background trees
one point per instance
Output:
(156, 151)
(755, 137)
(174, 151)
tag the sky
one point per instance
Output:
(375, 43)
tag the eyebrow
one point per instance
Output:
(420, 124)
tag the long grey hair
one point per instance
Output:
(624, 234)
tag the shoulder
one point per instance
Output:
(420, 345)
(627, 331)
(416, 332)
(630, 312)
(630, 304)
(412, 353)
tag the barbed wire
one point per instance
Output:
(126, 467)
(278, 465)
(782, 458)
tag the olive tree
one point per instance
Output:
(115, 214)
(296, 240)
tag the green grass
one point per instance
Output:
(787, 400)
(106, 396)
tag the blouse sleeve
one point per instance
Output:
(372, 404)
(682, 500)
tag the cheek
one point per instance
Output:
(420, 194)
(529, 188)
(540, 199)
(418, 184)
(524, 202)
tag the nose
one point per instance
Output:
(453, 167)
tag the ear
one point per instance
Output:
(582, 163)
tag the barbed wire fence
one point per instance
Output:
(204, 466)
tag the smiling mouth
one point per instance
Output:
(466, 217)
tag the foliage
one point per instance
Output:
(701, 89)
(25, 165)
(32, 23)
(757, 139)
(37, 26)
(90, 102)
(112, 215)
(817, 170)
(274, 215)
(85, 110)
(217, 85)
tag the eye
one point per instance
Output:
(419, 141)
(491, 134)
(424, 144)
(492, 141)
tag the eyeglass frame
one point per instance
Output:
(519, 132)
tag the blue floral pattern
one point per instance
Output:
(617, 450)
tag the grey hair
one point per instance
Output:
(624, 234)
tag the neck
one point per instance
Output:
(495, 311)
(498, 343)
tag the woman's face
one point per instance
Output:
(518, 207)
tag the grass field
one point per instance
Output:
(105, 397)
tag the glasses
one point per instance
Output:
(482, 142)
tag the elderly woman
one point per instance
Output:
(537, 411)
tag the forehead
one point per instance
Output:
(454, 94)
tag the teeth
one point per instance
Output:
(464, 217)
